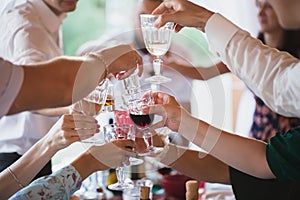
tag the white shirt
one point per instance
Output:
(6, 5)
(270, 74)
(30, 33)
(11, 79)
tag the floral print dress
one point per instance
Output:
(267, 123)
(59, 185)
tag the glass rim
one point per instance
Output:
(153, 16)
(148, 15)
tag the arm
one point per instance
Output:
(96, 158)
(52, 111)
(195, 164)
(64, 80)
(263, 69)
(61, 135)
(200, 73)
(247, 155)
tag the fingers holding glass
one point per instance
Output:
(92, 106)
(115, 132)
(157, 41)
(142, 120)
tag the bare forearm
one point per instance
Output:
(201, 73)
(25, 169)
(57, 83)
(198, 165)
(81, 163)
(53, 112)
(245, 154)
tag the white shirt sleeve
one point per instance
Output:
(270, 74)
(11, 79)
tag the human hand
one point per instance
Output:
(69, 129)
(122, 60)
(183, 13)
(167, 107)
(141, 145)
(113, 154)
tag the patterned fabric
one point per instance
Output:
(267, 123)
(57, 186)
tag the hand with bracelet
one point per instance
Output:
(121, 63)
(75, 77)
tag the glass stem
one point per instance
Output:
(149, 140)
(120, 174)
(157, 65)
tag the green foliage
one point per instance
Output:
(86, 23)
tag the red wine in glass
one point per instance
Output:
(142, 120)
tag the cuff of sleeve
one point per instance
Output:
(218, 42)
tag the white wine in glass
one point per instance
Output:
(157, 42)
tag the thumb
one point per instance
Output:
(157, 109)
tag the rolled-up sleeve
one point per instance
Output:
(270, 74)
(11, 79)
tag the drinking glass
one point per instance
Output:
(157, 42)
(92, 105)
(132, 83)
(116, 132)
(109, 105)
(136, 102)
(122, 117)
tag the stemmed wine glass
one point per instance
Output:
(116, 132)
(136, 103)
(157, 41)
(92, 105)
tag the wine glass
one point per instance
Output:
(92, 105)
(122, 117)
(136, 103)
(117, 132)
(157, 42)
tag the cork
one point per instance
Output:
(145, 192)
(192, 187)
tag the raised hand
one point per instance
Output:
(167, 107)
(183, 13)
(69, 129)
(113, 154)
(122, 60)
